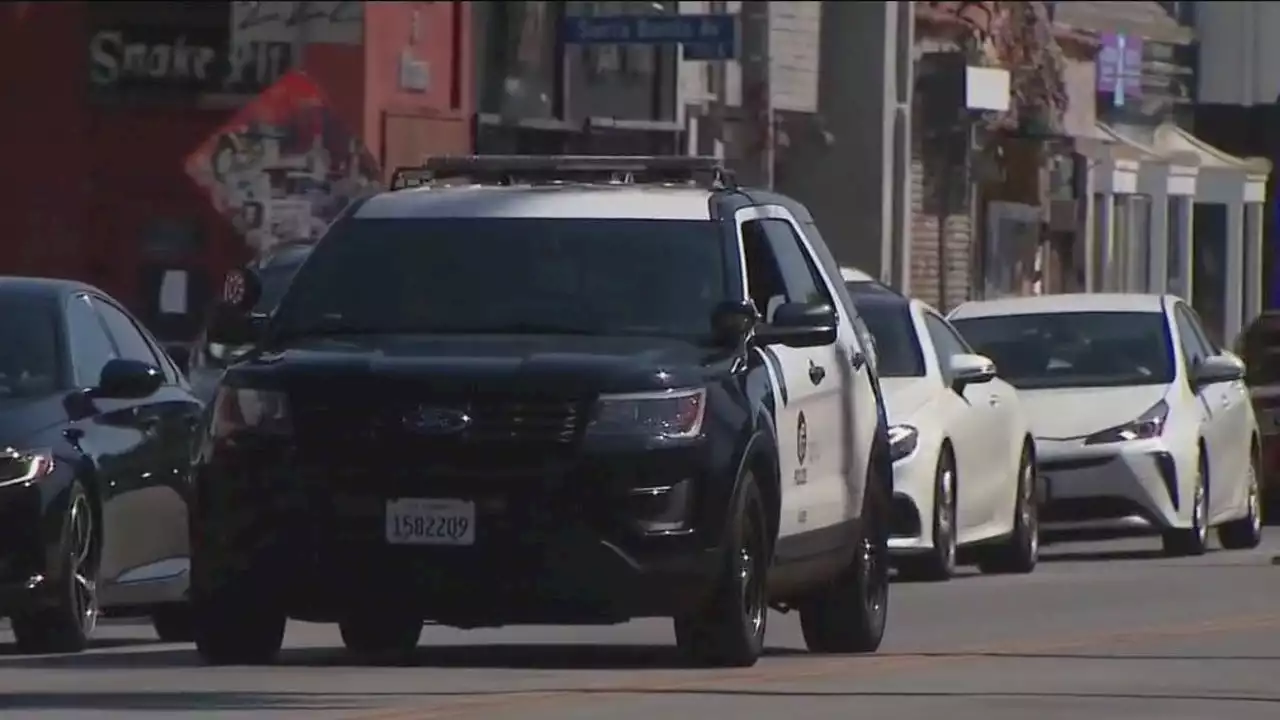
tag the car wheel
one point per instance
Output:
(381, 636)
(728, 631)
(1021, 552)
(939, 563)
(849, 615)
(236, 625)
(174, 623)
(68, 623)
(1246, 532)
(1195, 539)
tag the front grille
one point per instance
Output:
(498, 423)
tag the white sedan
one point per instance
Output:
(964, 460)
(1139, 417)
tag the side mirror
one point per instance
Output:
(966, 370)
(731, 321)
(800, 325)
(1217, 369)
(127, 379)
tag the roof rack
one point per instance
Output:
(533, 169)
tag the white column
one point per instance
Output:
(1253, 244)
(1158, 257)
(1183, 246)
(1232, 317)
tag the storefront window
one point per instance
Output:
(517, 57)
(1175, 273)
(1209, 263)
(1138, 251)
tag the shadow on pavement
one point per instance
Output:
(1027, 695)
(171, 701)
(9, 649)
(512, 657)
(1102, 555)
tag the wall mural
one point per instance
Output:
(283, 167)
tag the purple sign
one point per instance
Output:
(1120, 67)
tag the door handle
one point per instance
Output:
(993, 400)
(148, 423)
(816, 373)
(1226, 401)
(857, 360)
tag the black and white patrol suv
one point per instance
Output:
(547, 390)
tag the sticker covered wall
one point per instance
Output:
(284, 166)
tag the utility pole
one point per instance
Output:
(757, 98)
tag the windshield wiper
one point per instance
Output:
(519, 328)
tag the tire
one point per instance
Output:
(1020, 553)
(234, 625)
(728, 630)
(939, 564)
(174, 623)
(381, 636)
(1182, 542)
(849, 615)
(1246, 533)
(67, 625)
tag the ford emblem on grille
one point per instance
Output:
(437, 421)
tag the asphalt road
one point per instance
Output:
(1103, 630)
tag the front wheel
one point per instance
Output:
(849, 615)
(1246, 533)
(728, 631)
(1021, 552)
(939, 563)
(67, 624)
(1195, 539)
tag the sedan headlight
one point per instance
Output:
(23, 466)
(671, 414)
(1148, 425)
(248, 409)
(903, 440)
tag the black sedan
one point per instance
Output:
(96, 427)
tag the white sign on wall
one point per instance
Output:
(320, 22)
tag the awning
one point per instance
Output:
(1224, 178)
(1164, 172)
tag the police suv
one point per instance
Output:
(567, 390)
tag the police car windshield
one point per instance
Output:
(897, 347)
(275, 279)
(1074, 349)
(509, 276)
(29, 358)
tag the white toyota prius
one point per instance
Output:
(1139, 417)
(964, 463)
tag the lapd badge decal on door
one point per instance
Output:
(801, 475)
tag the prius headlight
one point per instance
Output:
(903, 440)
(1149, 424)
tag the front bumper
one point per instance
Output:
(567, 544)
(1145, 481)
(914, 486)
(30, 540)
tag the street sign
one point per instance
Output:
(704, 37)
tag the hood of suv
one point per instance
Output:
(526, 362)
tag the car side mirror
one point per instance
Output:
(966, 370)
(123, 379)
(1217, 369)
(800, 325)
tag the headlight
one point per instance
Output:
(672, 414)
(240, 409)
(1148, 425)
(24, 466)
(902, 441)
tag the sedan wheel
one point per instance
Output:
(1021, 552)
(1195, 539)
(69, 623)
(939, 563)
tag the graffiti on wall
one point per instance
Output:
(283, 167)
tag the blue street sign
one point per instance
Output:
(705, 37)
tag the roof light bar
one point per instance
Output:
(512, 169)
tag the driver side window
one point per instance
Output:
(1194, 347)
(946, 343)
(779, 269)
(91, 348)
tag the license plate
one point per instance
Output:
(431, 521)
